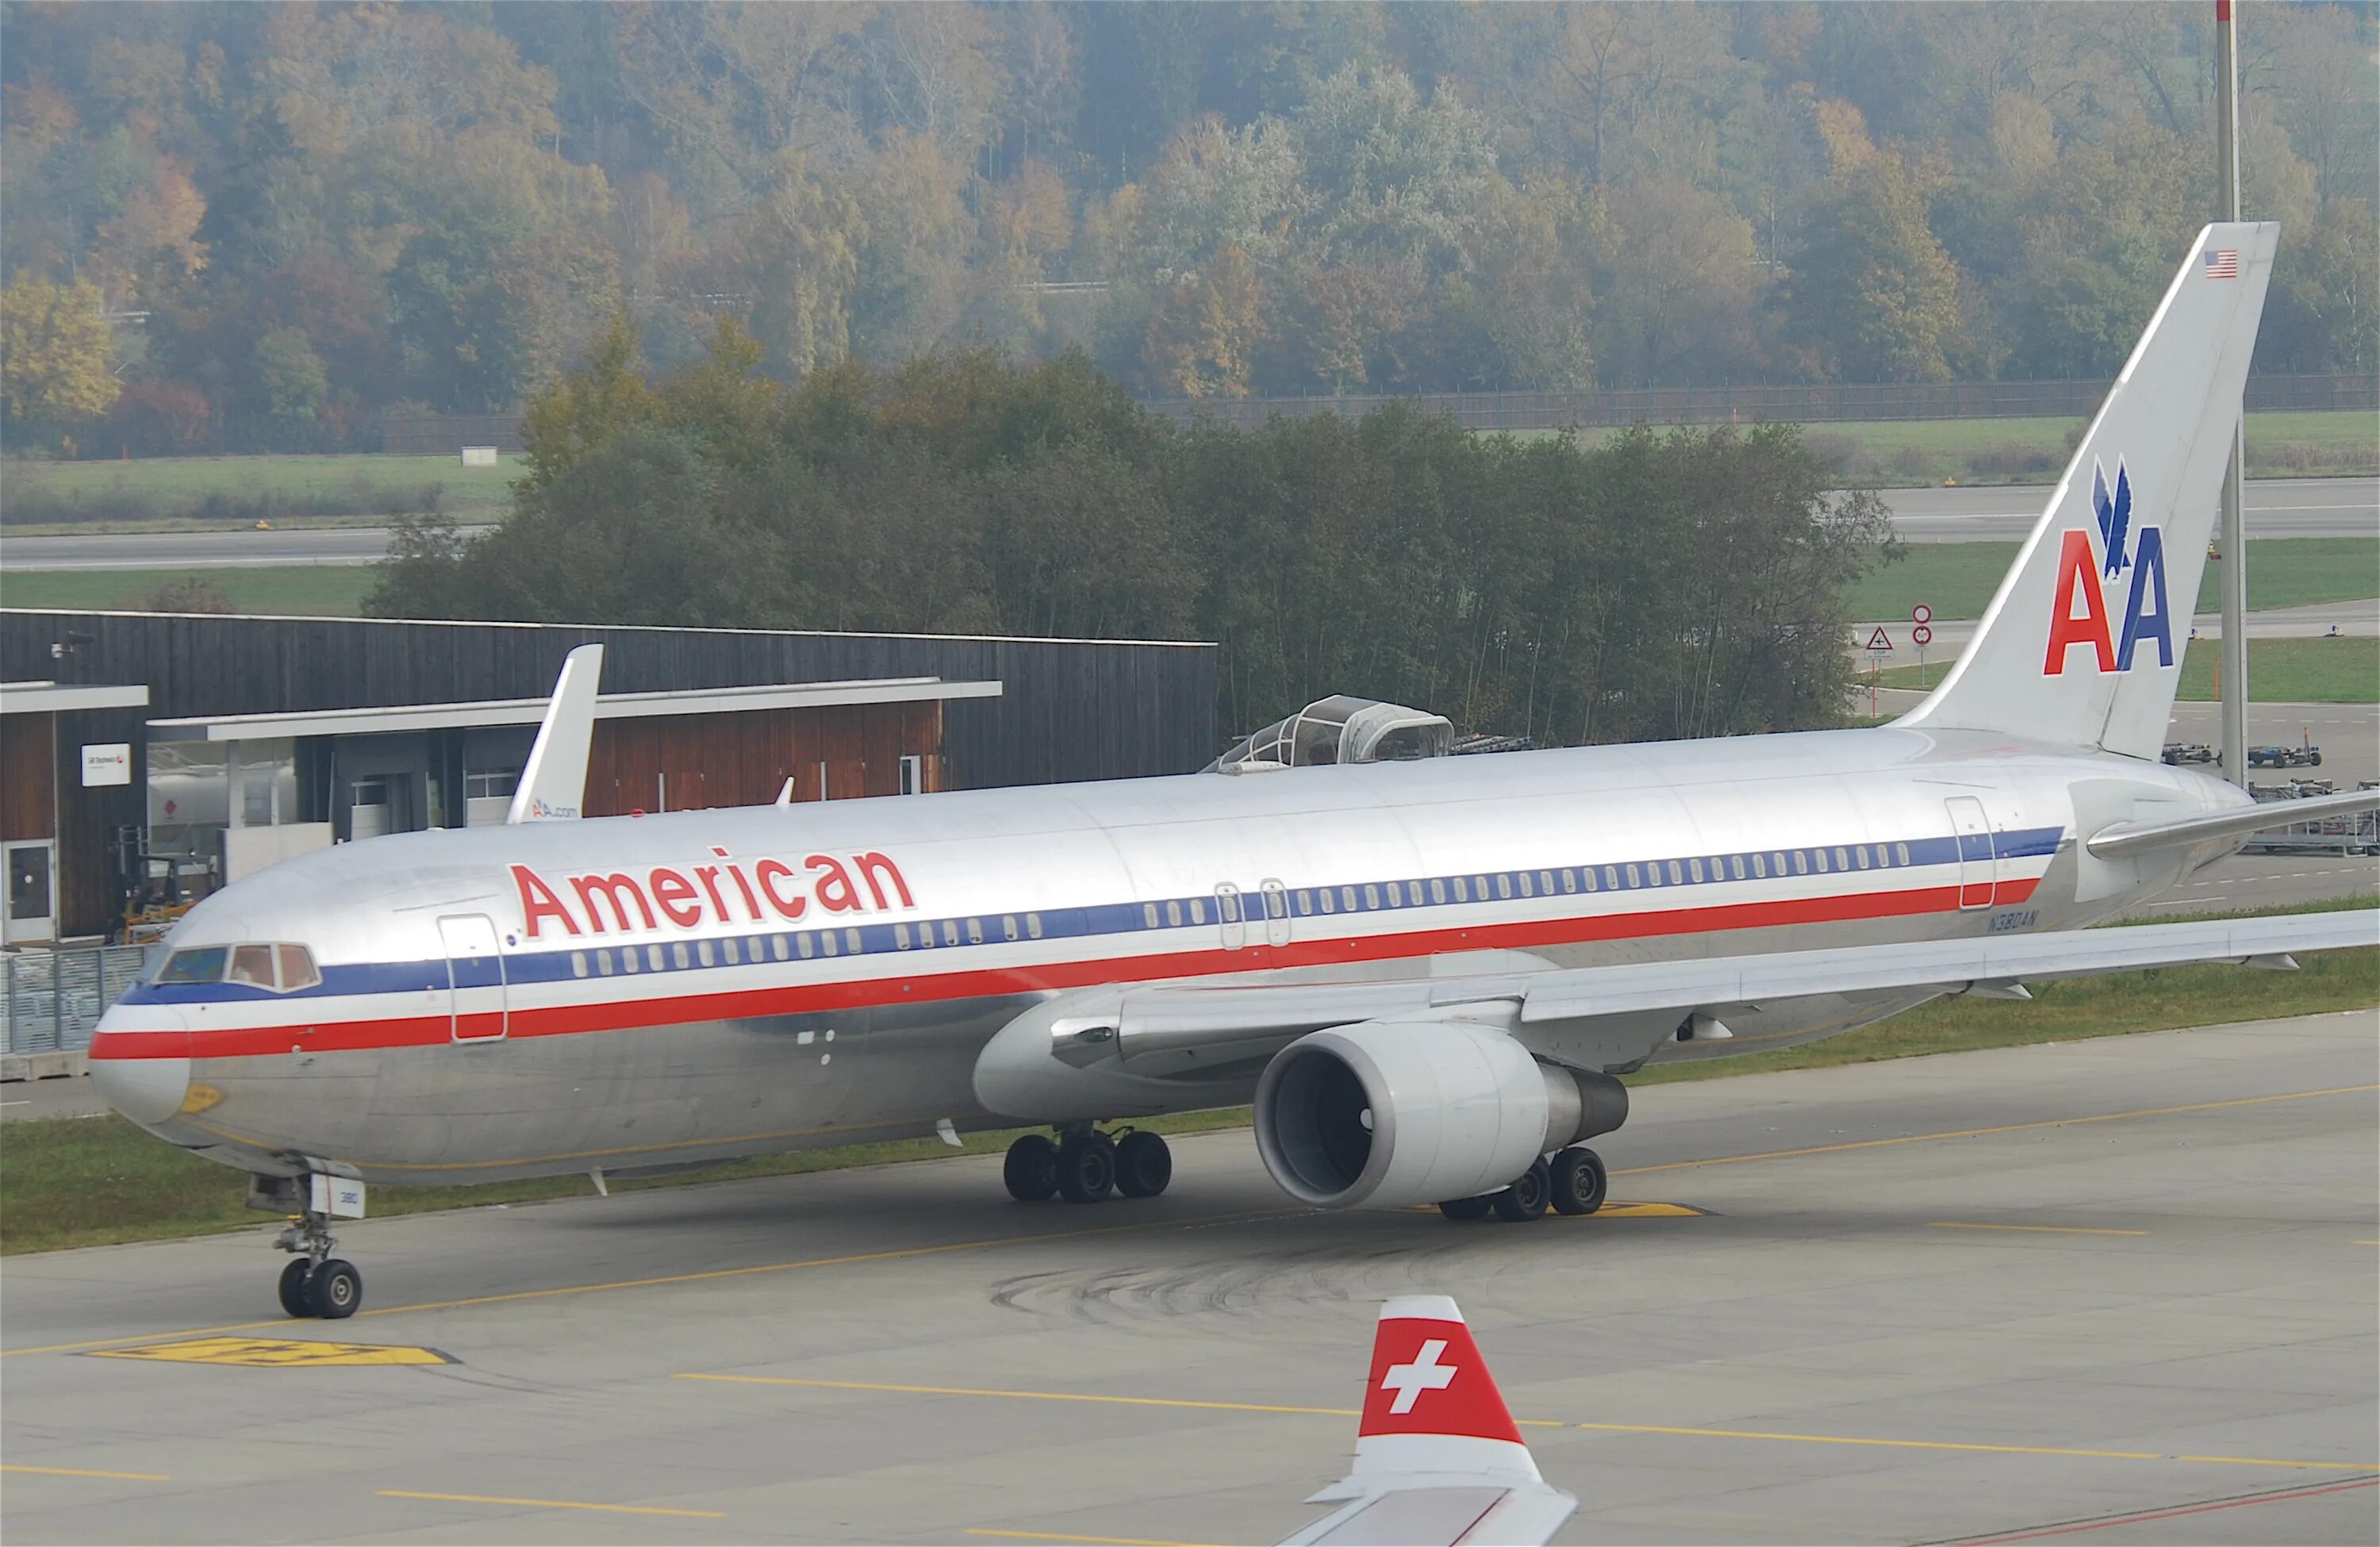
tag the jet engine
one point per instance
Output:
(1389, 1114)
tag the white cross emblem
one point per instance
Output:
(1425, 1374)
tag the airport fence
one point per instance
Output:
(54, 998)
(1796, 403)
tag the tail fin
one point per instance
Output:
(2083, 644)
(554, 785)
(1430, 1405)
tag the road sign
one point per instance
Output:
(1877, 642)
(1921, 613)
(1921, 636)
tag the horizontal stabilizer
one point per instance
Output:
(2143, 837)
(554, 785)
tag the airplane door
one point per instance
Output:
(1228, 908)
(475, 973)
(1276, 914)
(1976, 860)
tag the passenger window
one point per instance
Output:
(975, 932)
(1611, 877)
(1861, 855)
(901, 937)
(1801, 862)
(1587, 873)
(1198, 911)
(851, 941)
(677, 954)
(1901, 851)
(1632, 876)
(1149, 913)
(1396, 895)
(1677, 876)
(1437, 890)
(1008, 925)
(1503, 885)
(729, 949)
(1737, 860)
(1842, 860)
(1347, 898)
(1371, 898)
(1462, 889)
(1033, 925)
(701, 952)
(1570, 879)
(1760, 866)
(1174, 913)
(298, 968)
(777, 946)
(1545, 883)
(1304, 903)
(602, 964)
(950, 931)
(1694, 868)
(827, 942)
(252, 964)
(1528, 886)
(1329, 903)
(1820, 855)
(579, 964)
(802, 943)
(631, 961)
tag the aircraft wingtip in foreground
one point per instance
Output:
(1438, 1460)
(1426, 973)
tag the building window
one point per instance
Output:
(913, 774)
(492, 784)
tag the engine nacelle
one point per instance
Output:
(1389, 1114)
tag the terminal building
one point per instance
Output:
(184, 750)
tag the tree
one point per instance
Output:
(289, 378)
(1679, 282)
(54, 351)
(1872, 290)
(1203, 338)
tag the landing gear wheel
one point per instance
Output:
(335, 1290)
(1580, 1180)
(1466, 1208)
(1087, 1167)
(1527, 1196)
(1031, 1169)
(294, 1299)
(1144, 1165)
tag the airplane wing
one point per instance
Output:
(1438, 1457)
(2140, 837)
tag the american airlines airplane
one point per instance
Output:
(1426, 975)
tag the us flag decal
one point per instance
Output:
(2222, 263)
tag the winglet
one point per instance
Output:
(1430, 1404)
(554, 785)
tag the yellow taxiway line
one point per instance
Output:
(78, 1471)
(1110, 1398)
(553, 1503)
(2037, 1229)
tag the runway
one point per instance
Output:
(2115, 1290)
(2004, 513)
(2276, 507)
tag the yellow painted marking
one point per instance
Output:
(552, 1503)
(2000, 1129)
(1646, 1210)
(276, 1353)
(78, 1471)
(1953, 1445)
(1525, 1423)
(2037, 1229)
(1059, 1536)
(850, 1260)
(200, 1098)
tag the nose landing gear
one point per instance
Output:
(1084, 1165)
(316, 1283)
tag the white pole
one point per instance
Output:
(2234, 578)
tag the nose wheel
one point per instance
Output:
(315, 1284)
(1084, 1165)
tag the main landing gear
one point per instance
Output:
(1573, 1182)
(1083, 1166)
(315, 1283)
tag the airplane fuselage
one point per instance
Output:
(628, 992)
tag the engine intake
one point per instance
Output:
(1387, 1114)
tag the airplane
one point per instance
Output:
(1429, 975)
(1438, 1456)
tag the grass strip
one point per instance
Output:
(2279, 671)
(303, 589)
(1957, 580)
(209, 490)
(96, 1181)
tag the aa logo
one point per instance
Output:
(2085, 573)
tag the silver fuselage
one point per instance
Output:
(824, 974)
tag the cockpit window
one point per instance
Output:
(252, 964)
(202, 965)
(279, 967)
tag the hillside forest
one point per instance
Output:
(243, 227)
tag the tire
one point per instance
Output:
(294, 1299)
(1579, 1180)
(336, 1289)
(1527, 1196)
(1144, 1165)
(1031, 1169)
(1466, 1208)
(1086, 1168)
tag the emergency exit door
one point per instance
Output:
(1978, 852)
(475, 974)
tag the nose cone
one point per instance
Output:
(144, 1073)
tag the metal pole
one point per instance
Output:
(2234, 578)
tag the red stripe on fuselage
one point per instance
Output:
(551, 1020)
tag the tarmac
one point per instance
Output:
(2117, 1290)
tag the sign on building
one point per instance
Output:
(106, 764)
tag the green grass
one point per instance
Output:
(70, 1182)
(2291, 445)
(2279, 671)
(310, 589)
(146, 492)
(1957, 579)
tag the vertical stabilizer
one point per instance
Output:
(2083, 644)
(554, 785)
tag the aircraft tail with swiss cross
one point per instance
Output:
(2083, 644)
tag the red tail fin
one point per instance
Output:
(1429, 1378)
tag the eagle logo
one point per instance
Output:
(2115, 513)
